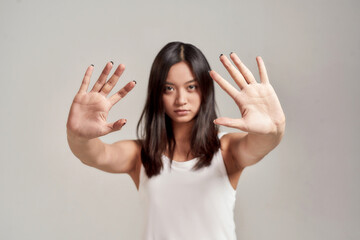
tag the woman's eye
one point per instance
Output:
(192, 87)
(168, 88)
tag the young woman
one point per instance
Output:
(185, 170)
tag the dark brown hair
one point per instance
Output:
(154, 127)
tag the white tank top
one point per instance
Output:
(185, 204)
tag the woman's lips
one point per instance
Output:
(182, 112)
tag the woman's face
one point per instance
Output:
(181, 95)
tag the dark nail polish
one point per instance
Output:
(134, 81)
(220, 55)
(231, 53)
(92, 64)
(112, 62)
(124, 123)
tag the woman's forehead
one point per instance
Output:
(180, 73)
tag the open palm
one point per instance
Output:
(89, 110)
(258, 103)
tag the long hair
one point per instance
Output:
(154, 128)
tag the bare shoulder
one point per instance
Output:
(232, 167)
(242, 151)
(121, 156)
(229, 142)
(230, 139)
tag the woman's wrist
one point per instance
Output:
(73, 137)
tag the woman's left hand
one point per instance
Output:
(258, 103)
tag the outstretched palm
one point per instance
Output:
(258, 103)
(89, 110)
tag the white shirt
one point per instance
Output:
(185, 204)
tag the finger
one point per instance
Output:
(232, 123)
(225, 85)
(262, 70)
(122, 93)
(116, 126)
(109, 85)
(249, 77)
(234, 72)
(102, 79)
(86, 80)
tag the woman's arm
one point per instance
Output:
(119, 157)
(87, 122)
(263, 120)
(247, 149)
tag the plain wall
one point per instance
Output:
(307, 188)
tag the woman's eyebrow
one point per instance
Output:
(190, 81)
(169, 83)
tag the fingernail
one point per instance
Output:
(92, 64)
(220, 55)
(112, 62)
(124, 123)
(231, 53)
(134, 81)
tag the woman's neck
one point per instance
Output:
(182, 136)
(182, 132)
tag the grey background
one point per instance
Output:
(307, 188)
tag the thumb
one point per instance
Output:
(116, 126)
(231, 122)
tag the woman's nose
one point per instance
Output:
(181, 98)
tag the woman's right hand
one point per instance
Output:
(89, 110)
